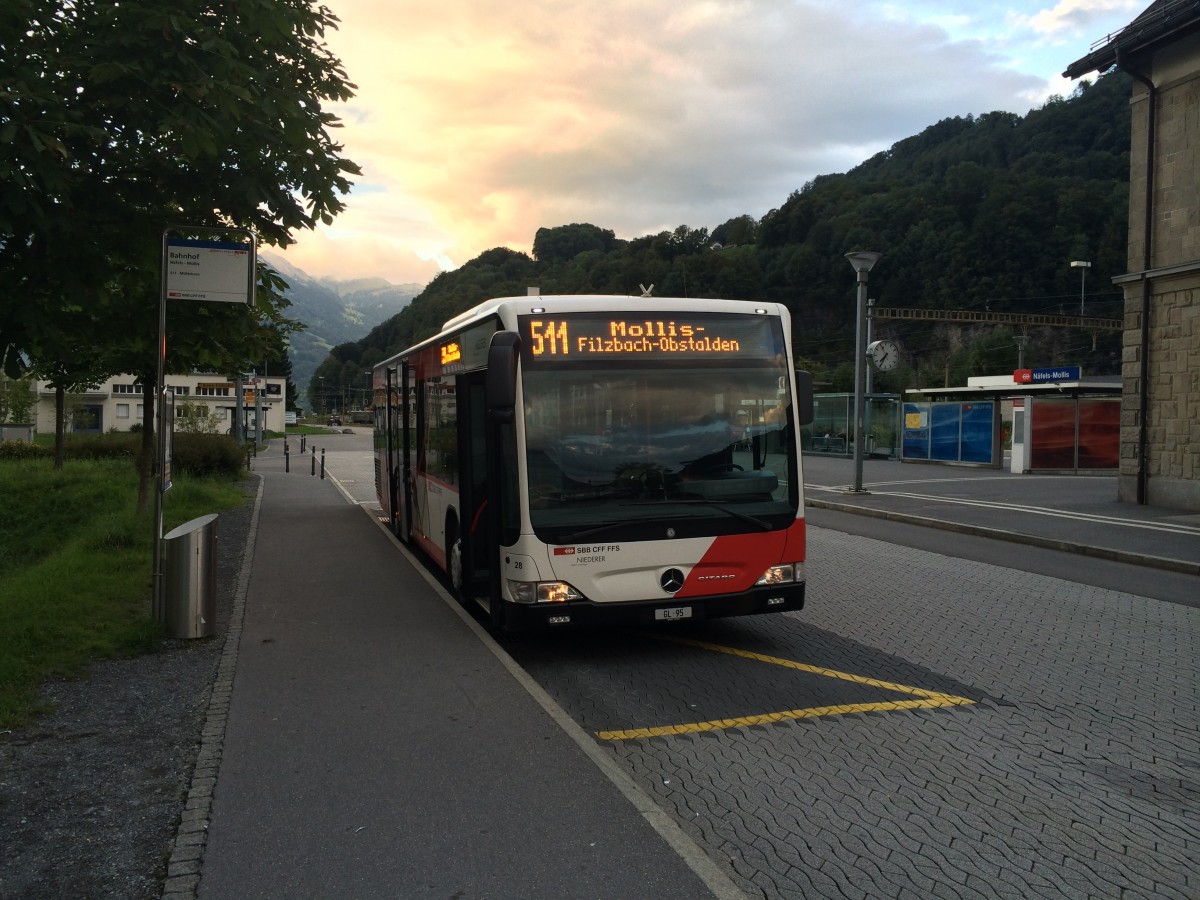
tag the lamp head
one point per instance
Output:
(863, 261)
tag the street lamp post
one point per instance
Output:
(1082, 266)
(862, 261)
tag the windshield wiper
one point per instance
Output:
(597, 494)
(577, 536)
(745, 517)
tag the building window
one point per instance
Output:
(212, 392)
(179, 389)
(141, 411)
(122, 410)
(127, 388)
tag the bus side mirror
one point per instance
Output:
(501, 385)
(804, 396)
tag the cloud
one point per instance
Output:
(1078, 16)
(477, 123)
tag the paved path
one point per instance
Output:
(376, 746)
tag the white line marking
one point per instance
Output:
(1173, 528)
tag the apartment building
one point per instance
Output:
(117, 404)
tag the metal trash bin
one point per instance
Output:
(190, 584)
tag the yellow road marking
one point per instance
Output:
(927, 699)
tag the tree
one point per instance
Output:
(122, 119)
(17, 399)
(562, 244)
(739, 230)
(81, 365)
(196, 418)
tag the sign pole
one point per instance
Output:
(192, 270)
(158, 603)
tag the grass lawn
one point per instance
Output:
(75, 567)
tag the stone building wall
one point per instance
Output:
(1173, 357)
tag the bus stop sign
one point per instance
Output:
(210, 270)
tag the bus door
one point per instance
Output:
(407, 437)
(399, 451)
(477, 538)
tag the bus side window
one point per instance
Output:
(421, 429)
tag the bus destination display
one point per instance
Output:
(581, 337)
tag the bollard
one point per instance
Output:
(301, 444)
(287, 459)
(322, 465)
(312, 468)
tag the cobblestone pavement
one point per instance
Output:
(1076, 773)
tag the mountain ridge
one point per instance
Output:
(333, 311)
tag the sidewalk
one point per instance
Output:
(376, 746)
(1074, 513)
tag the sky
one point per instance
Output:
(475, 123)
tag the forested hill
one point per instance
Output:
(978, 212)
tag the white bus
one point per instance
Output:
(579, 459)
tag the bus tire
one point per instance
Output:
(454, 561)
(396, 517)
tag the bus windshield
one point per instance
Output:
(644, 452)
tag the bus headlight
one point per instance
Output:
(784, 573)
(542, 592)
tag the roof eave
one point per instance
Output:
(1161, 23)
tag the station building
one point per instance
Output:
(1160, 404)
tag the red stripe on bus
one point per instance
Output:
(735, 561)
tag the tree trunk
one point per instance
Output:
(60, 427)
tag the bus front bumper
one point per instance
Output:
(779, 598)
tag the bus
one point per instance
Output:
(569, 460)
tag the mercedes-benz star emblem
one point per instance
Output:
(671, 580)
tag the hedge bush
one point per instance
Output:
(22, 450)
(207, 454)
(195, 454)
(102, 446)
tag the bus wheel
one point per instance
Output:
(454, 567)
(454, 561)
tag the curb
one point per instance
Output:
(1122, 556)
(187, 853)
